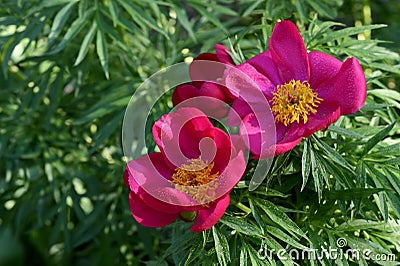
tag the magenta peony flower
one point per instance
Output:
(202, 74)
(191, 177)
(306, 91)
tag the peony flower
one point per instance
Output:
(306, 91)
(191, 177)
(202, 74)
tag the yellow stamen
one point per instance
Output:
(196, 180)
(293, 101)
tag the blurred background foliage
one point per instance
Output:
(68, 70)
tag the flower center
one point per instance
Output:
(293, 101)
(196, 180)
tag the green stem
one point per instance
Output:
(244, 208)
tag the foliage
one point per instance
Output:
(68, 70)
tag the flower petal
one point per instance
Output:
(183, 92)
(148, 179)
(264, 64)
(259, 139)
(262, 81)
(288, 52)
(147, 216)
(222, 54)
(206, 96)
(322, 67)
(286, 146)
(208, 217)
(210, 67)
(347, 87)
(327, 113)
(178, 134)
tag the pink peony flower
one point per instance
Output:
(203, 74)
(306, 91)
(191, 177)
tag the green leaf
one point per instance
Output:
(332, 154)
(113, 12)
(75, 28)
(241, 226)
(278, 233)
(322, 9)
(305, 164)
(183, 19)
(378, 137)
(346, 132)
(59, 21)
(279, 217)
(221, 247)
(335, 35)
(210, 17)
(141, 17)
(353, 193)
(101, 49)
(87, 41)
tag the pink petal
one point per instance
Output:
(183, 92)
(286, 146)
(231, 174)
(148, 179)
(208, 217)
(290, 136)
(260, 139)
(262, 81)
(210, 67)
(205, 96)
(147, 216)
(178, 133)
(239, 110)
(158, 130)
(126, 178)
(288, 52)
(322, 67)
(347, 87)
(264, 64)
(219, 146)
(327, 113)
(222, 54)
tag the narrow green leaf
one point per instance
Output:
(317, 173)
(322, 9)
(332, 154)
(385, 93)
(279, 217)
(278, 233)
(75, 28)
(241, 226)
(251, 8)
(210, 17)
(87, 41)
(141, 17)
(221, 247)
(194, 251)
(305, 164)
(353, 193)
(346, 132)
(111, 32)
(101, 48)
(183, 19)
(113, 12)
(59, 21)
(300, 10)
(378, 137)
(349, 31)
